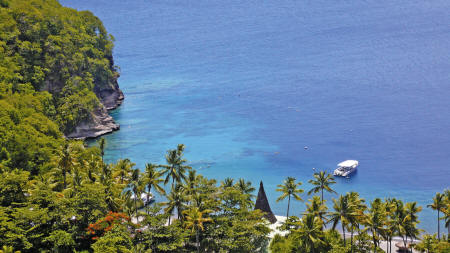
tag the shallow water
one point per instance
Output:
(246, 85)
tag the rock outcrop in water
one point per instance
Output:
(263, 204)
(100, 122)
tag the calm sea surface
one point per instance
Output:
(246, 85)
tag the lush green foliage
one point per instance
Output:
(366, 225)
(59, 195)
(80, 203)
(44, 46)
(28, 139)
(52, 59)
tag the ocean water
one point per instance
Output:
(247, 85)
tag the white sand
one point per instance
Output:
(282, 219)
(274, 227)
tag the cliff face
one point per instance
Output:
(47, 47)
(100, 122)
(110, 95)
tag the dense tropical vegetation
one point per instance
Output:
(366, 224)
(83, 204)
(52, 59)
(59, 195)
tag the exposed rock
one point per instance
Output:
(263, 204)
(99, 124)
(111, 99)
(110, 95)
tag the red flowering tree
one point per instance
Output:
(105, 224)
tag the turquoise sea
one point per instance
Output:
(246, 85)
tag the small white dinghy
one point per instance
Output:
(346, 168)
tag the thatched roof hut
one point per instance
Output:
(263, 204)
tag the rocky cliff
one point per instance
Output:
(100, 122)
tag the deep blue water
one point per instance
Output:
(246, 85)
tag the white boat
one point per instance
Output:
(346, 168)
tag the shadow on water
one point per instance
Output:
(347, 180)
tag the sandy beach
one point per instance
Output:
(282, 219)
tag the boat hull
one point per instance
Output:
(345, 173)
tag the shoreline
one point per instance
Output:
(383, 244)
(101, 122)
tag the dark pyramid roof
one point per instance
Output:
(263, 204)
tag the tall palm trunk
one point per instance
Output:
(64, 175)
(404, 241)
(135, 206)
(197, 241)
(343, 231)
(321, 198)
(289, 203)
(351, 240)
(148, 198)
(374, 242)
(411, 244)
(439, 234)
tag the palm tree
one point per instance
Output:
(110, 199)
(411, 210)
(228, 182)
(66, 162)
(358, 207)
(176, 167)
(191, 182)
(92, 166)
(310, 233)
(135, 187)
(438, 205)
(102, 146)
(447, 212)
(77, 180)
(400, 221)
(152, 179)
(198, 200)
(194, 221)
(427, 243)
(322, 182)
(175, 199)
(447, 219)
(389, 230)
(342, 213)
(105, 173)
(288, 189)
(8, 249)
(245, 187)
(315, 207)
(375, 221)
(123, 169)
(128, 205)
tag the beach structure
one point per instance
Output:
(146, 198)
(263, 204)
(346, 168)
